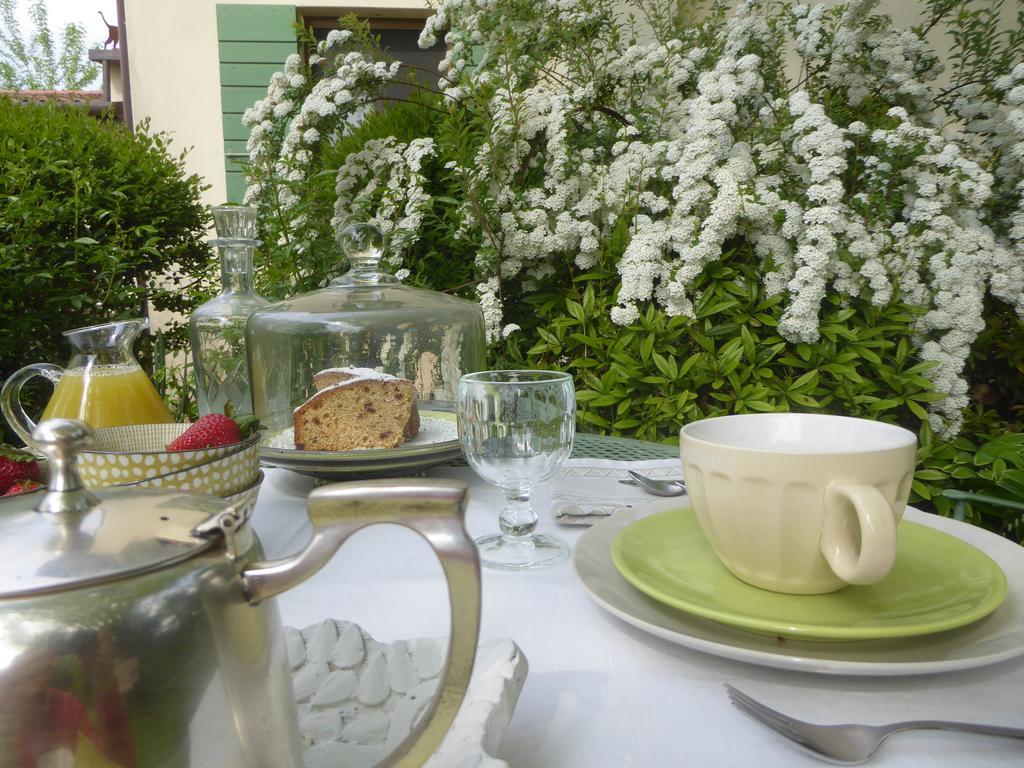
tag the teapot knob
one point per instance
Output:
(60, 441)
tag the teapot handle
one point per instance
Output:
(436, 510)
(10, 396)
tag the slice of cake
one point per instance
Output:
(356, 408)
(329, 376)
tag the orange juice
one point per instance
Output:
(107, 396)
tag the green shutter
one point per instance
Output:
(253, 42)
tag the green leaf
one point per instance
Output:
(884, 405)
(804, 400)
(922, 490)
(688, 364)
(916, 409)
(870, 356)
(703, 341)
(901, 350)
(807, 381)
(1005, 450)
(929, 397)
(729, 357)
(706, 309)
(589, 417)
(663, 365)
(749, 345)
(547, 336)
(647, 347)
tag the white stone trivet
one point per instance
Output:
(358, 698)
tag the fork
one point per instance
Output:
(849, 743)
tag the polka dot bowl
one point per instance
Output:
(137, 456)
(244, 501)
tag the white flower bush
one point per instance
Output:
(861, 175)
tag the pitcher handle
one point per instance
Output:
(436, 510)
(10, 396)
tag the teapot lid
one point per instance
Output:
(67, 537)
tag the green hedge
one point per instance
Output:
(94, 223)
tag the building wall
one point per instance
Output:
(175, 71)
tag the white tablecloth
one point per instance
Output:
(602, 694)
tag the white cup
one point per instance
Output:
(799, 503)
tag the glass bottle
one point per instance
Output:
(217, 328)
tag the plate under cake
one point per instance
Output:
(437, 442)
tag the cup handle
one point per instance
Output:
(433, 508)
(10, 396)
(874, 558)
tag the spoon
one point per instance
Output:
(655, 487)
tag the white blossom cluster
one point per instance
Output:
(998, 123)
(941, 255)
(287, 126)
(867, 55)
(383, 185)
(692, 142)
(819, 151)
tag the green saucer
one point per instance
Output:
(939, 582)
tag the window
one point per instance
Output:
(399, 38)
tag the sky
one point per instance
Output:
(84, 12)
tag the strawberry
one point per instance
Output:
(16, 465)
(22, 486)
(214, 430)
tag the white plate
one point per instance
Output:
(998, 637)
(436, 443)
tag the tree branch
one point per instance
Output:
(617, 116)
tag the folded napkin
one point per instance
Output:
(587, 490)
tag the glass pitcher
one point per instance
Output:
(103, 385)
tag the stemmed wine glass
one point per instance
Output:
(516, 429)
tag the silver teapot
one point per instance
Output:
(137, 630)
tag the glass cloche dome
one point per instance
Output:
(363, 319)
